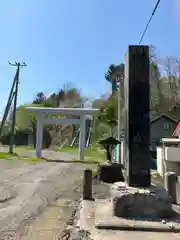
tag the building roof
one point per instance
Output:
(176, 132)
(154, 119)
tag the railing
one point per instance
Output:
(75, 138)
(89, 136)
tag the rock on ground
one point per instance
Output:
(151, 202)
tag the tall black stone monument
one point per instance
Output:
(137, 124)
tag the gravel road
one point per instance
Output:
(27, 188)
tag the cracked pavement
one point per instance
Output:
(27, 188)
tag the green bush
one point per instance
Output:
(46, 138)
(21, 138)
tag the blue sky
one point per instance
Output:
(74, 41)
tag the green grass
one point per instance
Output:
(24, 148)
(94, 172)
(91, 154)
(8, 156)
(67, 149)
(156, 176)
(33, 159)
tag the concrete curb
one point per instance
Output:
(137, 228)
(86, 215)
(88, 220)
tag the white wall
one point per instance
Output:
(171, 159)
(172, 154)
(160, 164)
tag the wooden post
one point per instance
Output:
(87, 184)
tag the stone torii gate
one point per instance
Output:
(42, 120)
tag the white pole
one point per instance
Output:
(122, 152)
(82, 137)
(39, 135)
(119, 120)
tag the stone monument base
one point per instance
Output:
(152, 202)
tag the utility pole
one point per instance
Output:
(8, 105)
(118, 77)
(18, 65)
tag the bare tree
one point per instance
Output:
(171, 68)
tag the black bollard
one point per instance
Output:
(87, 184)
(170, 185)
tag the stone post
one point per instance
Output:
(137, 124)
(87, 185)
(170, 185)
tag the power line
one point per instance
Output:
(152, 15)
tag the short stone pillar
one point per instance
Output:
(87, 184)
(170, 185)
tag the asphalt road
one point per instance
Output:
(27, 188)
